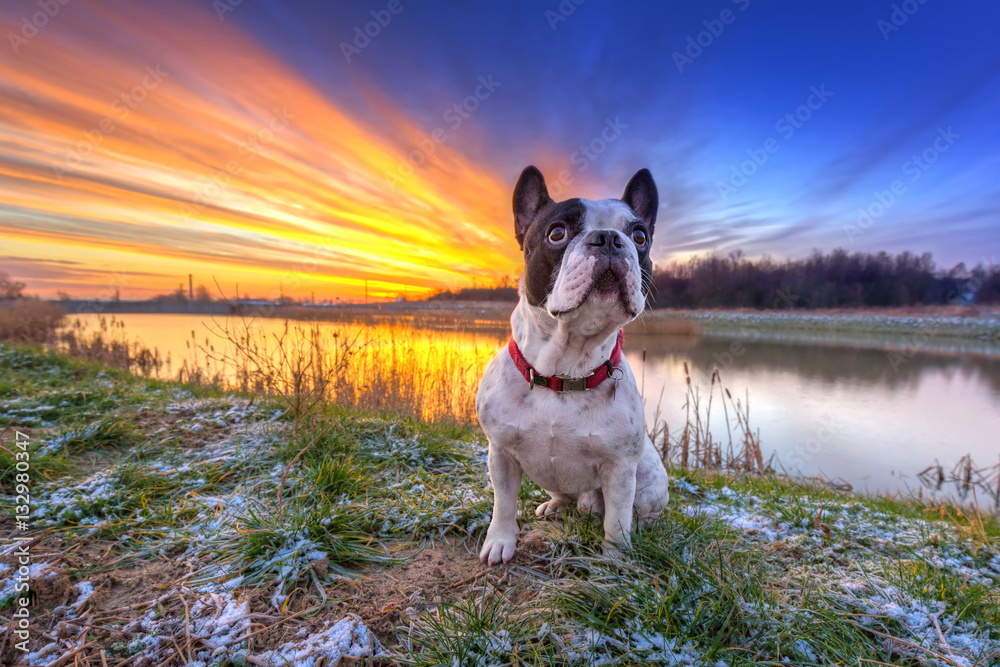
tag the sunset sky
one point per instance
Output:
(274, 145)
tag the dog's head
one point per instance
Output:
(583, 256)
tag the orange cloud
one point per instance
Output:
(161, 142)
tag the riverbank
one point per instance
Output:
(952, 328)
(983, 326)
(901, 334)
(176, 524)
(932, 323)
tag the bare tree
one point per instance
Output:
(10, 289)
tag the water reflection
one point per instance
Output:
(891, 369)
(430, 373)
(842, 411)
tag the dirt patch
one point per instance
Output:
(51, 589)
(117, 581)
(444, 572)
(441, 572)
(133, 583)
(120, 585)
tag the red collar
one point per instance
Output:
(561, 383)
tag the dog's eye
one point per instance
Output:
(557, 234)
(639, 237)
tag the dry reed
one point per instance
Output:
(380, 368)
(29, 321)
(695, 446)
(109, 345)
(394, 369)
(966, 476)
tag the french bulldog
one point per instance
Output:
(560, 403)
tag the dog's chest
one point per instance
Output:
(560, 441)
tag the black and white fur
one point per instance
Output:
(586, 274)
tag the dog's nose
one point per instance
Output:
(609, 240)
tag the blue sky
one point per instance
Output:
(892, 85)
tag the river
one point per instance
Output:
(869, 417)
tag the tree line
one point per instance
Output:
(835, 280)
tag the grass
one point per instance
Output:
(902, 324)
(476, 631)
(108, 432)
(283, 529)
(333, 475)
(698, 589)
(273, 545)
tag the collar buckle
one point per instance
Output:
(574, 384)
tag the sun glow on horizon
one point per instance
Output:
(202, 153)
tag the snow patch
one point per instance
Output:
(348, 636)
(8, 587)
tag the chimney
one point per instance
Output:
(190, 288)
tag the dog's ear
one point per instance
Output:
(530, 195)
(642, 198)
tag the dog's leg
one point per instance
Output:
(618, 485)
(501, 538)
(591, 502)
(559, 502)
(652, 490)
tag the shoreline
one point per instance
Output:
(932, 321)
(903, 331)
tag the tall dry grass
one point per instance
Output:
(694, 445)
(397, 369)
(110, 344)
(29, 321)
(375, 367)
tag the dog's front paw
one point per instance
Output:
(614, 551)
(498, 547)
